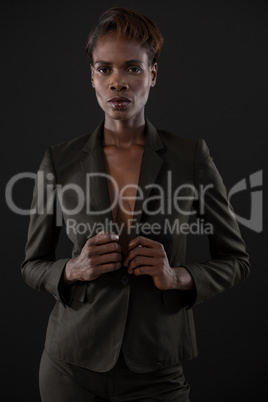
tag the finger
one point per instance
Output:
(100, 233)
(104, 238)
(140, 261)
(145, 270)
(143, 241)
(91, 250)
(142, 251)
(106, 268)
(106, 248)
(97, 261)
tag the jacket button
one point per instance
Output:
(124, 280)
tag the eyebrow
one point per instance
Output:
(108, 63)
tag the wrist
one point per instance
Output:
(67, 275)
(184, 279)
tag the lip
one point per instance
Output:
(119, 102)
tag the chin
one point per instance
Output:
(119, 115)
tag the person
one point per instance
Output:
(127, 194)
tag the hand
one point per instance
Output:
(148, 257)
(100, 254)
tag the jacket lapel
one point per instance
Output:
(150, 167)
(94, 167)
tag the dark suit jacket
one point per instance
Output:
(91, 321)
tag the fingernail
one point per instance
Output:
(114, 236)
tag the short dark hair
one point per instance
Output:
(130, 23)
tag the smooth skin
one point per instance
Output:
(121, 68)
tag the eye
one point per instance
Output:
(134, 69)
(103, 70)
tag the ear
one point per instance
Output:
(92, 75)
(154, 69)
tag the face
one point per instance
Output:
(122, 77)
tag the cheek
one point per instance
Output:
(99, 83)
(143, 88)
(99, 91)
(145, 92)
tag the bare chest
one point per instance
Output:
(123, 169)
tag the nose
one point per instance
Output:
(118, 83)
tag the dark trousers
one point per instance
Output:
(63, 382)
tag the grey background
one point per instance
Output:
(212, 84)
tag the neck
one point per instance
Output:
(123, 133)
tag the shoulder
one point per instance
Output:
(68, 152)
(182, 146)
(73, 145)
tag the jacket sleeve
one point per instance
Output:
(40, 269)
(229, 263)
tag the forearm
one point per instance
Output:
(43, 275)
